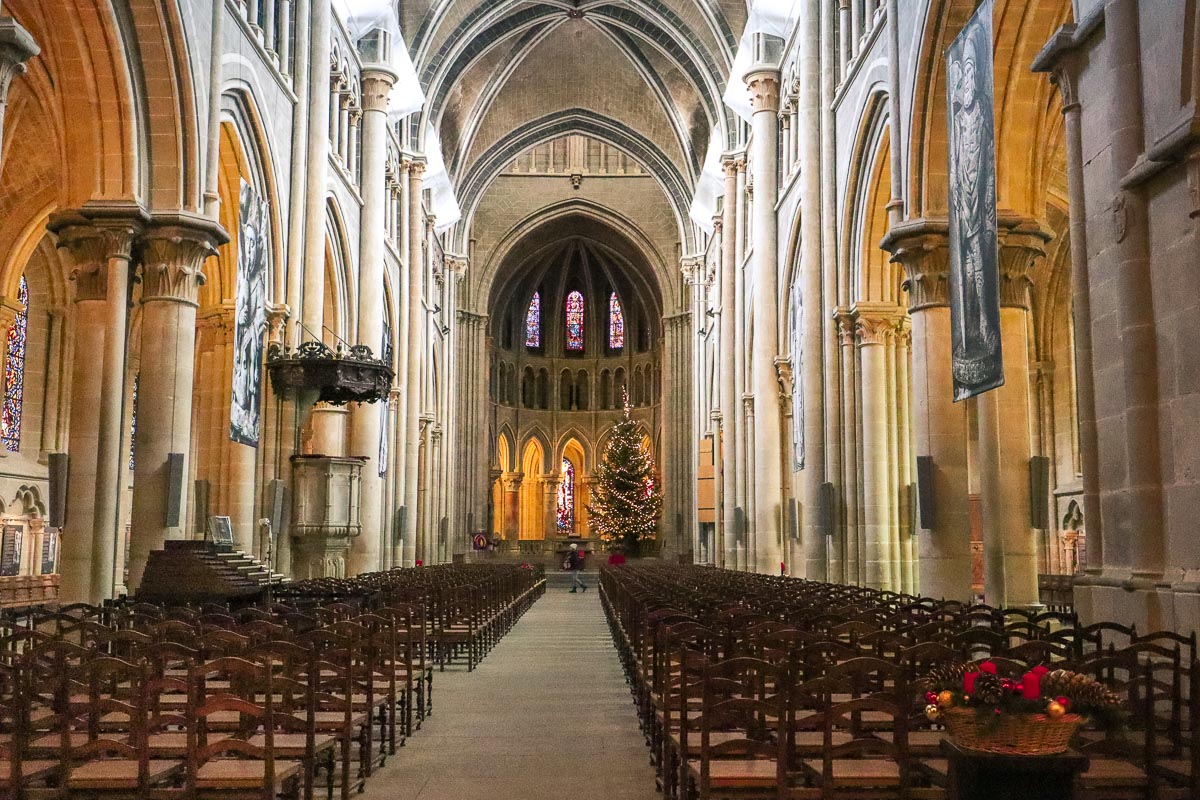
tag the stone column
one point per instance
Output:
(173, 252)
(365, 420)
(809, 364)
(875, 326)
(1005, 420)
(763, 81)
(730, 413)
(510, 484)
(317, 166)
(939, 425)
(16, 47)
(100, 238)
(849, 549)
(741, 477)
(415, 344)
(550, 483)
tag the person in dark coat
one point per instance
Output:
(575, 565)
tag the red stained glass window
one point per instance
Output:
(616, 323)
(533, 322)
(14, 373)
(566, 498)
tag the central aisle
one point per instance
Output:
(546, 716)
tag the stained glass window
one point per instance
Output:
(137, 379)
(566, 498)
(616, 323)
(533, 322)
(14, 373)
(574, 321)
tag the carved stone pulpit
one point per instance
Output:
(325, 513)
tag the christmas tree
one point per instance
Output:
(626, 500)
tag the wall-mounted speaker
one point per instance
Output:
(277, 499)
(174, 489)
(925, 496)
(826, 499)
(57, 513)
(201, 489)
(1039, 492)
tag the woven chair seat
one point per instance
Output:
(859, 772)
(241, 773)
(738, 773)
(112, 774)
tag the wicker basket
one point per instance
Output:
(1011, 734)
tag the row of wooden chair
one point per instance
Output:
(673, 625)
(137, 700)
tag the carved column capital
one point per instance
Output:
(922, 248)
(1021, 241)
(173, 252)
(93, 236)
(875, 323)
(377, 83)
(844, 319)
(784, 375)
(763, 83)
(511, 481)
(277, 316)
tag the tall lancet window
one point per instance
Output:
(616, 323)
(574, 321)
(14, 373)
(533, 322)
(566, 498)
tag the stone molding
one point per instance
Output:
(16, 47)
(173, 252)
(511, 481)
(763, 82)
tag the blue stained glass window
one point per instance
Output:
(574, 321)
(566, 498)
(14, 373)
(533, 322)
(616, 323)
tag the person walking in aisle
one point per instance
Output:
(575, 565)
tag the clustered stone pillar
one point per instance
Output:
(366, 420)
(768, 453)
(730, 411)
(939, 425)
(415, 343)
(875, 326)
(313, 288)
(100, 239)
(1005, 431)
(173, 252)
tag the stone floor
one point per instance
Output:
(546, 715)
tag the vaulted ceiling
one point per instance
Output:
(645, 76)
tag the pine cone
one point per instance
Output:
(1056, 683)
(988, 689)
(947, 676)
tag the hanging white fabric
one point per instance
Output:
(771, 17)
(362, 17)
(443, 203)
(711, 184)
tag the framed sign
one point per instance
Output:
(220, 531)
(10, 550)
(49, 551)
